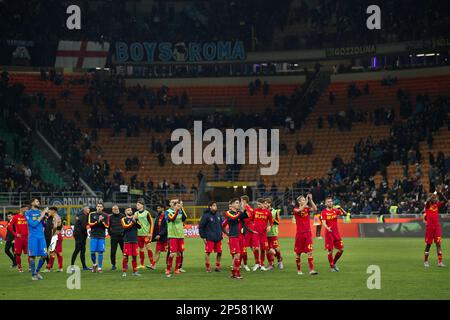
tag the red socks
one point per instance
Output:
(169, 263)
(263, 256)
(208, 266)
(178, 262)
(278, 254)
(50, 263)
(134, 263)
(244, 258)
(311, 263)
(256, 254)
(236, 266)
(142, 257)
(337, 256)
(440, 257)
(298, 261)
(125, 263)
(60, 262)
(150, 255)
(427, 254)
(330, 259)
(18, 261)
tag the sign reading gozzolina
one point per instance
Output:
(148, 52)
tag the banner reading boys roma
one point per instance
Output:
(149, 52)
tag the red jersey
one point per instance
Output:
(248, 221)
(260, 218)
(18, 225)
(330, 217)
(302, 219)
(432, 213)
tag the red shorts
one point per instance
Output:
(58, 247)
(248, 240)
(176, 245)
(142, 242)
(433, 233)
(260, 241)
(235, 245)
(273, 242)
(303, 242)
(21, 245)
(333, 240)
(130, 249)
(161, 246)
(215, 246)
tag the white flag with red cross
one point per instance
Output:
(81, 54)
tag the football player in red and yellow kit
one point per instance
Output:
(262, 223)
(303, 236)
(433, 227)
(329, 217)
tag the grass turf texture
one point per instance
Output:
(401, 261)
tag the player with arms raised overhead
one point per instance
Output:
(433, 227)
(303, 236)
(329, 217)
(234, 219)
(175, 232)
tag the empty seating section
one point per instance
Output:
(327, 142)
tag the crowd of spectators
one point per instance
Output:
(343, 23)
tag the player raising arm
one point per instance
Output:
(333, 239)
(175, 232)
(303, 236)
(234, 219)
(433, 227)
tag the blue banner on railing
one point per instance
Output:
(149, 52)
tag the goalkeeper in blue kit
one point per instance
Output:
(37, 247)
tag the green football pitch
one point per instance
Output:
(402, 276)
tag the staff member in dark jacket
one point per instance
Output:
(115, 232)
(159, 234)
(9, 242)
(210, 229)
(80, 234)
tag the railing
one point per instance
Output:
(155, 197)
